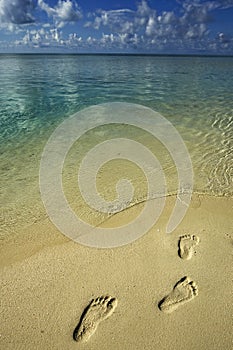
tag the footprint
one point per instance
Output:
(187, 244)
(184, 291)
(98, 310)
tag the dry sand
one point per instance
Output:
(47, 282)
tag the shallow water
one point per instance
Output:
(37, 93)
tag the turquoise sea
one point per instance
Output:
(38, 92)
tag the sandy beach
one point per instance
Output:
(48, 281)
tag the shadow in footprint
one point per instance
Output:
(187, 246)
(183, 291)
(98, 310)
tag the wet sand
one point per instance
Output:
(48, 281)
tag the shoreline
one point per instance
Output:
(47, 233)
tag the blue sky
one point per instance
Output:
(124, 26)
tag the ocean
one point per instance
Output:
(39, 92)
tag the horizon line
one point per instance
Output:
(117, 54)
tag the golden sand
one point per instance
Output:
(48, 280)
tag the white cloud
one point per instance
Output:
(73, 41)
(41, 38)
(49, 38)
(122, 20)
(144, 28)
(222, 38)
(143, 10)
(121, 41)
(157, 30)
(64, 12)
(151, 26)
(117, 20)
(16, 12)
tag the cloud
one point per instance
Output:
(222, 38)
(41, 38)
(16, 12)
(123, 41)
(224, 4)
(167, 29)
(48, 38)
(189, 25)
(145, 28)
(64, 12)
(122, 20)
(117, 20)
